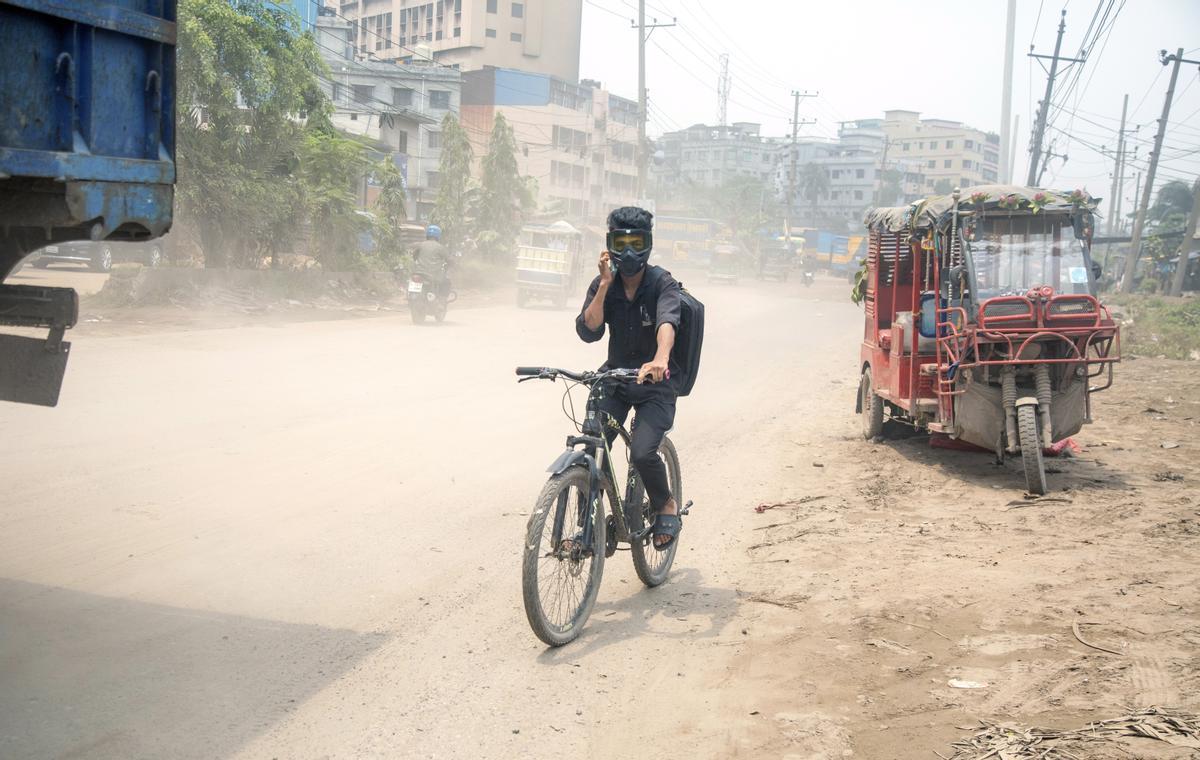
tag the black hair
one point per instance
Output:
(630, 218)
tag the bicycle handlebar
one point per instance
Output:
(553, 373)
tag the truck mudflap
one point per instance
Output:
(33, 368)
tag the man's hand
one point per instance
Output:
(655, 369)
(606, 273)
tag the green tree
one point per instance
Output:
(1167, 217)
(391, 210)
(454, 171)
(244, 74)
(889, 192)
(814, 183)
(504, 195)
(330, 169)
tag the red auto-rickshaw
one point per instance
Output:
(982, 322)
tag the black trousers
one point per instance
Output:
(654, 407)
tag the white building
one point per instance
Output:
(399, 107)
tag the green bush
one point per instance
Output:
(1161, 326)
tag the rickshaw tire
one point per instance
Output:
(1031, 450)
(872, 407)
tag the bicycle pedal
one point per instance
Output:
(686, 508)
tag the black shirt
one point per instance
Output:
(634, 324)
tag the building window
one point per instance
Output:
(490, 32)
(518, 10)
(933, 164)
(439, 99)
(364, 93)
(969, 144)
(336, 92)
(905, 146)
(947, 164)
(433, 180)
(837, 173)
(435, 140)
(438, 34)
(515, 36)
(402, 141)
(949, 144)
(458, 31)
(922, 145)
(491, 8)
(860, 173)
(402, 97)
(858, 195)
(835, 195)
(966, 164)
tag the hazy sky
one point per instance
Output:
(942, 58)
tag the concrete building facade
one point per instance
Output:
(541, 36)
(942, 150)
(398, 107)
(577, 140)
(708, 156)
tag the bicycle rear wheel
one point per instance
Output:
(559, 577)
(652, 565)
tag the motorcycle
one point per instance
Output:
(428, 295)
(808, 279)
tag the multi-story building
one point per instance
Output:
(399, 107)
(945, 152)
(709, 156)
(540, 36)
(577, 140)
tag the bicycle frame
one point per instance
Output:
(596, 455)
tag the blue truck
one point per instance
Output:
(87, 152)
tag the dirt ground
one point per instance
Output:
(300, 538)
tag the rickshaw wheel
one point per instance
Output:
(1031, 450)
(871, 406)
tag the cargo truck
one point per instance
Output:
(87, 152)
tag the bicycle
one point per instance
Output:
(570, 556)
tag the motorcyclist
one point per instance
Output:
(432, 258)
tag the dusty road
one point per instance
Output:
(302, 541)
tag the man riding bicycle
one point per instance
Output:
(640, 304)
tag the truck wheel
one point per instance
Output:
(102, 261)
(1031, 449)
(871, 406)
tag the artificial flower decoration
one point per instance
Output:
(1010, 202)
(978, 199)
(1038, 202)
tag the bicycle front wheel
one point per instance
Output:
(652, 565)
(560, 577)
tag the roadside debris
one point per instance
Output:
(790, 503)
(1015, 742)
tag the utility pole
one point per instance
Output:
(1139, 223)
(796, 124)
(723, 92)
(1039, 129)
(1006, 158)
(1118, 169)
(1007, 179)
(1185, 245)
(643, 37)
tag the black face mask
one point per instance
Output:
(630, 259)
(630, 262)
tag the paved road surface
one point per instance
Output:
(304, 541)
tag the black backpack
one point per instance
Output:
(689, 338)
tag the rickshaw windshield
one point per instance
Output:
(1012, 255)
